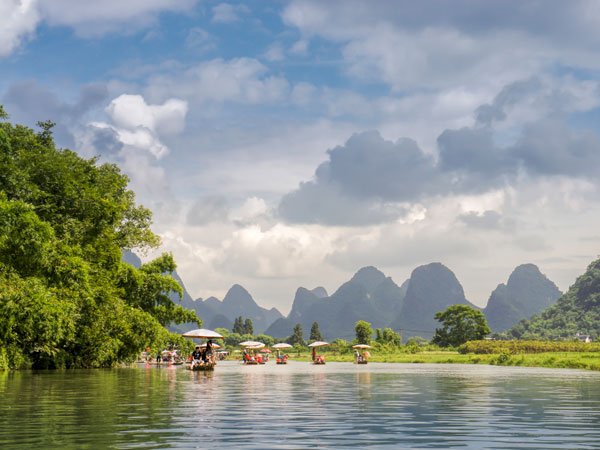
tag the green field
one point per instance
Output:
(572, 359)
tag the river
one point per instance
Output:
(338, 405)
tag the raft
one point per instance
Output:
(319, 361)
(361, 362)
(162, 363)
(281, 361)
(201, 367)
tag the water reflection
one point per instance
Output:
(302, 406)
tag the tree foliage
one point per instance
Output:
(364, 332)
(248, 326)
(238, 325)
(297, 337)
(460, 323)
(315, 333)
(66, 297)
(388, 336)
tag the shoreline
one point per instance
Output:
(553, 360)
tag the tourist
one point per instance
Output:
(196, 356)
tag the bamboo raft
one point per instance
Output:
(162, 363)
(202, 367)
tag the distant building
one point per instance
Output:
(583, 337)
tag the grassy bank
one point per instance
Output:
(564, 360)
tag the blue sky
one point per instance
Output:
(290, 143)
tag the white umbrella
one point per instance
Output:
(202, 333)
(253, 344)
(255, 347)
(282, 345)
(362, 346)
(318, 344)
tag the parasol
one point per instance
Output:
(251, 344)
(282, 345)
(318, 344)
(202, 333)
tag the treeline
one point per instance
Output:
(66, 298)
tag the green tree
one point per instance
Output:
(297, 337)
(66, 297)
(248, 326)
(364, 332)
(460, 323)
(238, 325)
(265, 339)
(223, 332)
(391, 337)
(315, 333)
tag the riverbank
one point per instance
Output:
(556, 360)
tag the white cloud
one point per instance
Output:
(275, 52)
(300, 48)
(139, 125)
(200, 39)
(227, 13)
(94, 18)
(449, 45)
(20, 18)
(242, 80)
(18, 21)
(278, 252)
(252, 209)
(132, 111)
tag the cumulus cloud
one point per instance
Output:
(369, 172)
(132, 111)
(276, 252)
(18, 21)
(139, 125)
(363, 182)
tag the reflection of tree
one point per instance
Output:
(75, 409)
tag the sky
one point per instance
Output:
(282, 144)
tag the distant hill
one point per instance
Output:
(131, 258)
(237, 302)
(527, 292)
(431, 288)
(577, 311)
(215, 313)
(369, 295)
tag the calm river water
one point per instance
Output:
(298, 406)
